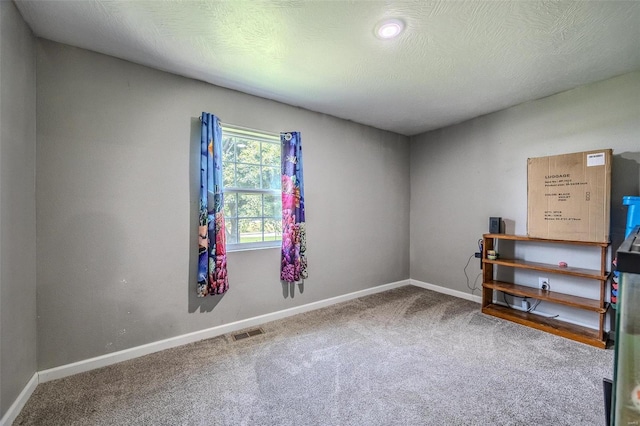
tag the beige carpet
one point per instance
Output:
(408, 356)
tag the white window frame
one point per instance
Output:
(261, 136)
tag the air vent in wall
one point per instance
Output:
(247, 334)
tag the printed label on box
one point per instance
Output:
(595, 159)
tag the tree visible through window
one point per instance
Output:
(251, 180)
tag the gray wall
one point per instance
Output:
(117, 181)
(117, 198)
(17, 205)
(463, 174)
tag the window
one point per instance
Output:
(251, 181)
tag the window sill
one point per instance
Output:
(249, 247)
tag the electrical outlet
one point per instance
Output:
(543, 283)
(479, 256)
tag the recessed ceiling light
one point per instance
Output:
(389, 28)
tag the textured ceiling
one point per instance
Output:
(454, 61)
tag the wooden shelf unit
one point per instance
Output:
(594, 337)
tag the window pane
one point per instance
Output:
(248, 176)
(228, 175)
(251, 164)
(231, 228)
(272, 229)
(272, 206)
(249, 205)
(271, 178)
(250, 230)
(248, 151)
(230, 204)
(270, 154)
(228, 149)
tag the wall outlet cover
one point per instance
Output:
(543, 282)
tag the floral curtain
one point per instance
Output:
(212, 252)
(293, 267)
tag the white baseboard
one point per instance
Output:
(149, 348)
(138, 351)
(445, 290)
(13, 411)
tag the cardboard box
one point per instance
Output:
(568, 196)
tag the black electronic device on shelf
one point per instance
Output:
(494, 225)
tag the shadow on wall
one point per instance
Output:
(625, 180)
(508, 226)
(203, 304)
(289, 289)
